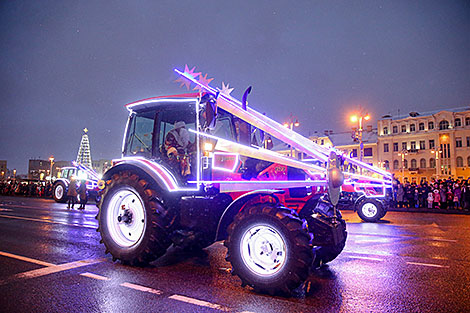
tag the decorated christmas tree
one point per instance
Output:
(84, 155)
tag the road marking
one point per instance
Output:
(45, 221)
(427, 264)
(50, 270)
(26, 259)
(380, 253)
(94, 276)
(141, 288)
(366, 258)
(197, 302)
(402, 236)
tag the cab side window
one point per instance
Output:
(140, 134)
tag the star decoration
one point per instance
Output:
(183, 80)
(204, 81)
(85, 130)
(226, 90)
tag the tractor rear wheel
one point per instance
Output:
(133, 222)
(370, 210)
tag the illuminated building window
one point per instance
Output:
(395, 146)
(368, 152)
(443, 125)
(432, 163)
(467, 121)
(431, 144)
(459, 162)
(405, 163)
(412, 127)
(385, 130)
(458, 122)
(385, 147)
(395, 164)
(413, 163)
(458, 142)
(413, 146)
(404, 146)
(468, 161)
(431, 125)
(395, 129)
(468, 141)
(403, 128)
(421, 126)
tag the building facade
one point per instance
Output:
(39, 169)
(432, 145)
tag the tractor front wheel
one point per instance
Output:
(269, 249)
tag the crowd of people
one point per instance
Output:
(28, 188)
(445, 194)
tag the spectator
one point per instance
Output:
(72, 193)
(430, 200)
(436, 200)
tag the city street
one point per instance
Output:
(51, 261)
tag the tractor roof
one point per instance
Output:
(153, 102)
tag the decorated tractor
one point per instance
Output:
(196, 169)
(79, 172)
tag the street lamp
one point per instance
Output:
(359, 118)
(51, 159)
(402, 154)
(436, 152)
(291, 123)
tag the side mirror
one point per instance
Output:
(209, 112)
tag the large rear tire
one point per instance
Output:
(59, 192)
(370, 210)
(133, 223)
(269, 249)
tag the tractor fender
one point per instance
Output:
(66, 182)
(154, 171)
(235, 207)
(363, 198)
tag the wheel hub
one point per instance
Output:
(369, 209)
(263, 250)
(126, 217)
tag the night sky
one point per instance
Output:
(67, 65)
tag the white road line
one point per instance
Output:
(366, 258)
(26, 259)
(45, 221)
(197, 302)
(94, 276)
(402, 237)
(49, 270)
(141, 288)
(428, 264)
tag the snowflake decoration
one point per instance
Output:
(183, 80)
(226, 90)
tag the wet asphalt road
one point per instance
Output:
(51, 261)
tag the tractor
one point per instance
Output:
(196, 168)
